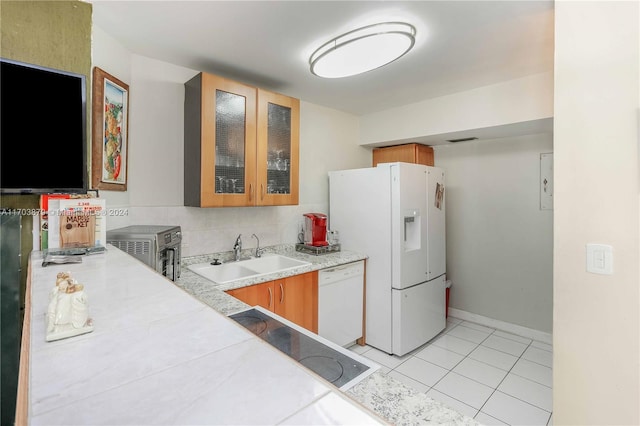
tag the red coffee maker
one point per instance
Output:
(315, 229)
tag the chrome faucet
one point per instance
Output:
(258, 249)
(237, 247)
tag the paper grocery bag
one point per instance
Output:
(77, 230)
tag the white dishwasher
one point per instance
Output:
(340, 302)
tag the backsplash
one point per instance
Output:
(227, 255)
(210, 230)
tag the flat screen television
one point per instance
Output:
(43, 130)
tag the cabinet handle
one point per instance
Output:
(270, 297)
(250, 191)
(262, 190)
(281, 294)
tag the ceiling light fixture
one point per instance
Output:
(363, 49)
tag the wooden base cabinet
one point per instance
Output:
(294, 298)
(409, 153)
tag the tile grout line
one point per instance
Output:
(424, 347)
(495, 389)
(498, 385)
(458, 363)
(526, 402)
(531, 380)
(428, 386)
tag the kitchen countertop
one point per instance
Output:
(386, 396)
(214, 295)
(159, 356)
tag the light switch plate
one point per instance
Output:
(600, 259)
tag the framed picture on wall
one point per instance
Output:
(110, 135)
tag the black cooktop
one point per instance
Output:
(332, 365)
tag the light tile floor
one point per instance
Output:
(495, 377)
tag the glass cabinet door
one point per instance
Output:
(241, 145)
(230, 137)
(278, 149)
(229, 142)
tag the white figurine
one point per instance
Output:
(68, 313)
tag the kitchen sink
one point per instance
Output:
(232, 271)
(272, 263)
(222, 273)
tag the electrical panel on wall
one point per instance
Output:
(546, 181)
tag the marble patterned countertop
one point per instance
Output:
(214, 295)
(160, 356)
(384, 395)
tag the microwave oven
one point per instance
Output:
(158, 246)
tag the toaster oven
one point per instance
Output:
(156, 245)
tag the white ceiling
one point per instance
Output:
(460, 45)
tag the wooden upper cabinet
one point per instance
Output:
(278, 149)
(232, 134)
(408, 153)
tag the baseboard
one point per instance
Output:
(538, 335)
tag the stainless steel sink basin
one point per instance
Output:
(232, 271)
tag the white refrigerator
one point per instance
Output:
(395, 214)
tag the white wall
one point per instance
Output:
(330, 144)
(521, 100)
(328, 140)
(596, 327)
(111, 57)
(156, 151)
(499, 241)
